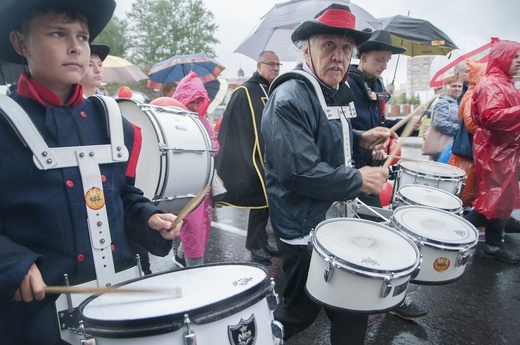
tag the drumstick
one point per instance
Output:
(190, 206)
(174, 292)
(405, 120)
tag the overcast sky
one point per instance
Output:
(457, 18)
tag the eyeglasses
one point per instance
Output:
(271, 64)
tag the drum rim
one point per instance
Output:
(173, 322)
(342, 264)
(429, 242)
(410, 202)
(462, 176)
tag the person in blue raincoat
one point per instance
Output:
(496, 147)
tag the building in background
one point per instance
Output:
(418, 77)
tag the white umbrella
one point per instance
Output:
(275, 28)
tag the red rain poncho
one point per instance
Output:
(496, 143)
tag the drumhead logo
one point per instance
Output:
(95, 198)
(243, 333)
(441, 264)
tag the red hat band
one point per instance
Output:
(338, 18)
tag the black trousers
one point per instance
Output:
(297, 311)
(256, 228)
(494, 227)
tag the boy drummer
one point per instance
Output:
(51, 207)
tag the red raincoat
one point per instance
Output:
(496, 143)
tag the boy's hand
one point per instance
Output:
(162, 222)
(32, 286)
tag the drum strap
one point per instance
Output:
(87, 159)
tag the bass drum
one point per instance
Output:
(175, 162)
(220, 304)
(445, 240)
(361, 266)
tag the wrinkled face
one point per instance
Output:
(269, 66)
(94, 74)
(374, 63)
(515, 65)
(328, 56)
(56, 50)
(454, 90)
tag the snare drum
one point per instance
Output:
(413, 194)
(433, 174)
(444, 239)
(220, 304)
(358, 265)
(175, 161)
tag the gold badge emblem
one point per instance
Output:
(95, 198)
(441, 264)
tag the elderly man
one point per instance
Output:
(240, 163)
(308, 160)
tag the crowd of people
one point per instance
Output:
(279, 152)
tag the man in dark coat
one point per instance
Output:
(240, 162)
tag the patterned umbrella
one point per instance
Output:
(119, 70)
(178, 66)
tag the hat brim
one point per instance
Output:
(313, 27)
(97, 12)
(101, 50)
(380, 46)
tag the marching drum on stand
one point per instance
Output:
(413, 194)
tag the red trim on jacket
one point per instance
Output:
(136, 149)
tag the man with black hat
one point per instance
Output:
(94, 76)
(307, 160)
(68, 203)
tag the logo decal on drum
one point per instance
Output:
(242, 281)
(441, 264)
(244, 333)
(95, 198)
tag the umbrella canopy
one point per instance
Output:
(217, 90)
(470, 48)
(418, 36)
(10, 72)
(275, 28)
(178, 66)
(119, 70)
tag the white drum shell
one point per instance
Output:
(175, 162)
(433, 174)
(413, 194)
(352, 288)
(445, 241)
(200, 285)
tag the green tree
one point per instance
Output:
(114, 36)
(160, 29)
(415, 99)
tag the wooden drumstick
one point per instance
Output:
(190, 206)
(406, 119)
(174, 292)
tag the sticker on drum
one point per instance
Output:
(433, 174)
(360, 266)
(444, 239)
(175, 161)
(413, 194)
(220, 304)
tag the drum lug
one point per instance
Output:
(273, 300)
(139, 265)
(86, 340)
(189, 336)
(463, 256)
(329, 271)
(387, 286)
(418, 269)
(310, 245)
(278, 333)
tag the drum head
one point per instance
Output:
(201, 287)
(433, 169)
(436, 226)
(366, 244)
(430, 196)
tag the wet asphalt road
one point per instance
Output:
(482, 307)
